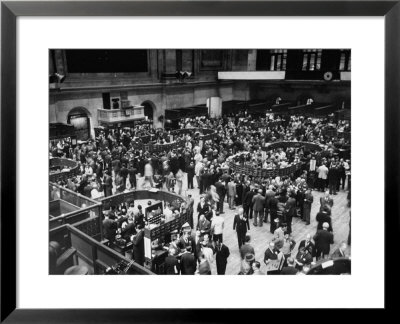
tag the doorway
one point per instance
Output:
(79, 118)
(148, 109)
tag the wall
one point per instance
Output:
(167, 93)
(321, 92)
(163, 97)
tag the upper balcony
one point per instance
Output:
(130, 113)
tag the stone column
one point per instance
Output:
(61, 66)
(252, 60)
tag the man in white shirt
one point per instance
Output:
(217, 227)
(322, 176)
(168, 213)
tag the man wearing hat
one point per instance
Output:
(246, 264)
(323, 240)
(246, 248)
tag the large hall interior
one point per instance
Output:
(199, 162)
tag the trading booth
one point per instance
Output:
(157, 232)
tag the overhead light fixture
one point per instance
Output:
(182, 75)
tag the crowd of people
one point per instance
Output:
(112, 163)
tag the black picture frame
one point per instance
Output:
(10, 10)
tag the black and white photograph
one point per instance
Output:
(200, 161)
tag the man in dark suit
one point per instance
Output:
(258, 208)
(290, 211)
(241, 225)
(323, 240)
(132, 176)
(188, 262)
(185, 241)
(307, 203)
(138, 245)
(171, 263)
(190, 175)
(247, 203)
(129, 229)
(221, 191)
(290, 268)
(109, 227)
(246, 189)
(221, 257)
(197, 239)
(333, 178)
(324, 217)
(273, 208)
(226, 177)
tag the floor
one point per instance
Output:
(260, 236)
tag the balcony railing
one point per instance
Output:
(120, 115)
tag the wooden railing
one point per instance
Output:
(97, 256)
(63, 175)
(161, 195)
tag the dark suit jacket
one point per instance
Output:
(290, 208)
(188, 264)
(322, 218)
(128, 231)
(109, 227)
(190, 171)
(258, 202)
(241, 226)
(203, 210)
(221, 257)
(308, 201)
(289, 271)
(138, 247)
(248, 198)
(170, 263)
(273, 204)
(182, 244)
(221, 190)
(323, 240)
(269, 255)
